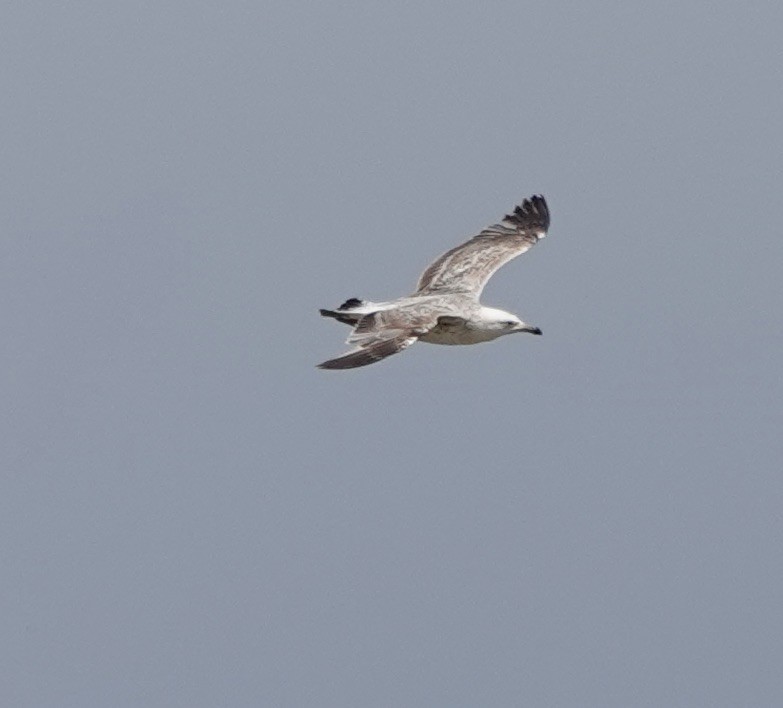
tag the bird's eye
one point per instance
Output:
(510, 323)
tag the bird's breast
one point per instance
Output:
(457, 335)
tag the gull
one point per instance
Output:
(445, 308)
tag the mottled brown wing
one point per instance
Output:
(363, 356)
(467, 268)
(381, 334)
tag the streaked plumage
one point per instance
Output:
(445, 308)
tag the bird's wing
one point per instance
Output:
(467, 268)
(361, 356)
(381, 334)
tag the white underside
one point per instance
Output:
(463, 335)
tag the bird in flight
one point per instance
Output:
(445, 308)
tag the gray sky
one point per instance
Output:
(193, 515)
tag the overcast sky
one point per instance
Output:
(193, 515)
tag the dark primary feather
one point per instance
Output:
(350, 303)
(531, 213)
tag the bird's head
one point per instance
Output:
(506, 323)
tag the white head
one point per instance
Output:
(503, 322)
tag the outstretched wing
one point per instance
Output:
(361, 356)
(381, 334)
(467, 268)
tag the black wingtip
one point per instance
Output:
(531, 213)
(348, 361)
(350, 303)
(339, 316)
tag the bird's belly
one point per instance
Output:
(462, 335)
